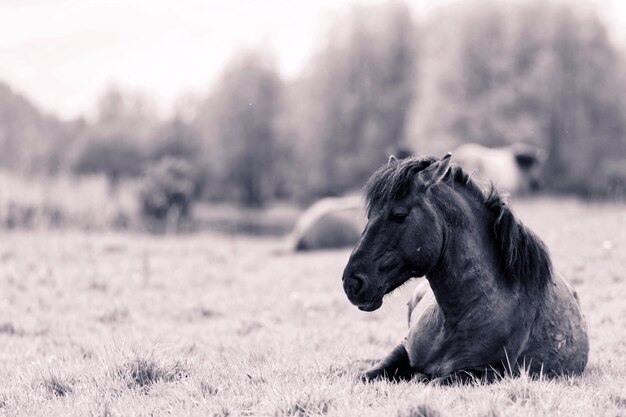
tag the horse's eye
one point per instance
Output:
(398, 216)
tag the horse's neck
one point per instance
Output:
(468, 270)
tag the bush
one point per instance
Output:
(168, 191)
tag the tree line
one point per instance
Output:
(545, 73)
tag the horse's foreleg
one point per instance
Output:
(475, 376)
(396, 366)
(458, 367)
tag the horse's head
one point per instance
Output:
(404, 234)
(530, 161)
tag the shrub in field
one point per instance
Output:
(57, 386)
(142, 373)
(178, 139)
(168, 191)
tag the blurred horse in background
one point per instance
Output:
(332, 222)
(515, 169)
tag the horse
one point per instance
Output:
(515, 169)
(492, 304)
(332, 222)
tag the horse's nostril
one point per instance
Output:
(356, 284)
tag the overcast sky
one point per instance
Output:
(63, 53)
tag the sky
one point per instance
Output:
(62, 54)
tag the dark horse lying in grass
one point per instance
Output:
(493, 305)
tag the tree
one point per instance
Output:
(351, 108)
(176, 138)
(239, 124)
(114, 156)
(116, 143)
(31, 142)
(124, 113)
(537, 72)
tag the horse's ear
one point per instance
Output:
(392, 160)
(435, 172)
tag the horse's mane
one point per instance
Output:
(524, 257)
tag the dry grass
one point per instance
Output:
(207, 325)
(64, 201)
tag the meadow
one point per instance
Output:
(125, 324)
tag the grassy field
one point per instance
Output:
(112, 324)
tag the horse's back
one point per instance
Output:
(329, 223)
(558, 343)
(495, 165)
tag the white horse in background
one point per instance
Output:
(515, 169)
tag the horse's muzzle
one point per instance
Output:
(371, 306)
(361, 293)
(355, 286)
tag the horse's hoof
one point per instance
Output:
(364, 377)
(420, 377)
(436, 382)
(368, 376)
